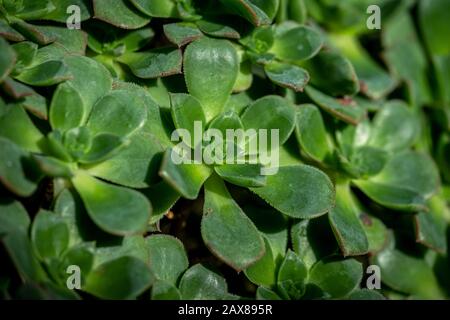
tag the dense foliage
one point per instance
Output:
(88, 180)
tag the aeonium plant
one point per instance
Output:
(210, 68)
(403, 181)
(112, 268)
(198, 127)
(83, 137)
(379, 166)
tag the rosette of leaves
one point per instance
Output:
(385, 169)
(116, 48)
(109, 268)
(85, 142)
(281, 51)
(224, 224)
(392, 175)
(309, 266)
(362, 157)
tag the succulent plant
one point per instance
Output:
(101, 129)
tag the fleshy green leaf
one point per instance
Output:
(163, 197)
(16, 89)
(344, 220)
(136, 164)
(292, 276)
(311, 133)
(81, 255)
(9, 33)
(273, 227)
(200, 283)
(287, 75)
(210, 69)
(128, 246)
(244, 79)
(53, 146)
(161, 62)
(116, 210)
(365, 161)
(298, 191)
(303, 243)
(13, 217)
(376, 232)
(374, 81)
(50, 235)
(333, 74)
(119, 113)
(162, 290)
(263, 293)
(90, 78)
(392, 196)
(257, 12)
(226, 227)
(406, 273)
(37, 105)
(74, 41)
(103, 147)
(29, 10)
(137, 39)
(69, 206)
(157, 8)
(406, 181)
(60, 14)
(187, 179)
(395, 127)
(16, 170)
(337, 277)
(226, 120)
(7, 59)
(66, 109)
(270, 113)
(409, 66)
(45, 74)
(260, 40)
(18, 127)
(32, 32)
(19, 248)
(186, 110)
(121, 14)
(435, 25)
(430, 227)
(244, 175)
(77, 141)
(182, 33)
(217, 29)
(348, 111)
(168, 260)
(262, 272)
(296, 44)
(122, 278)
(53, 167)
